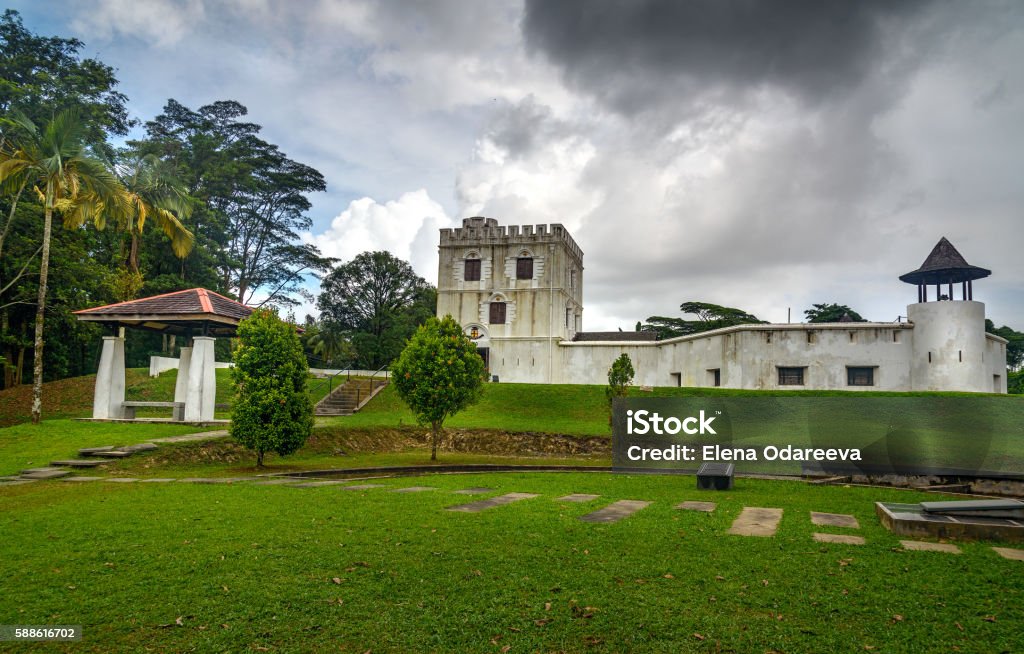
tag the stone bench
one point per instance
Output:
(177, 408)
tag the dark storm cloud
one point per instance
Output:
(633, 54)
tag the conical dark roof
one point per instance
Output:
(943, 266)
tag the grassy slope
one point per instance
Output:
(248, 567)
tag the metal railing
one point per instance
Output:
(333, 381)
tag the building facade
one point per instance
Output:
(517, 291)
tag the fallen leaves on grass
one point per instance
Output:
(698, 636)
(989, 618)
(542, 622)
(897, 618)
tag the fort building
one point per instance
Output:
(517, 291)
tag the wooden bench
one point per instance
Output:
(177, 408)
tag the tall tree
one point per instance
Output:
(709, 316)
(832, 313)
(380, 300)
(252, 202)
(66, 180)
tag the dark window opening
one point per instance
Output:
(472, 270)
(860, 376)
(791, 376)
(497, 316)
(715, 376)
(524, 268)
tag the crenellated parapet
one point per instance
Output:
(486, 231)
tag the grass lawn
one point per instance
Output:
(181, 567)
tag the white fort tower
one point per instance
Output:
(517, 291)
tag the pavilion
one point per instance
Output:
(197, 314)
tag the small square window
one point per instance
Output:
(791, 376)
(524, 268)
(860, 376)
(497, 313)
(472, 270)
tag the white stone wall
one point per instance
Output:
(950, 347)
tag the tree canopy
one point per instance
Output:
(377, 300)
(832, 313)
(709, 316)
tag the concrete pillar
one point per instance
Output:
(201, 392)
(181, 383)
(108, 399)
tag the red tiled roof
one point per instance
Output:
(192, 301)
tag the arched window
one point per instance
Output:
(524, 265)
(497, 313)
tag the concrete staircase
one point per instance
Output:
(349, 397)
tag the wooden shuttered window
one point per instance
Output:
(472, 270)
(791, 376)
(524, 268)
(497, 316)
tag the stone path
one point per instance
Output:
(834, 520)
(315, 484)
(615, 511)
(359, 487)
(754, 521)
(1010, 553)
(188, 438)
(840, 539)
(490, 503)
(413, 489)
(473, 491)
(924, 546)
(706, 507)
(578, 497)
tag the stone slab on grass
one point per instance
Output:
(834, 520)
(706, 507)
(80, 463)
(755, 521)
(1010, 553)
(82, 478)
(473, 491)
(840, 539)
(578, 497)
(157, 480)
(141, 447)
(924, 546)
(122, 480)
(413, 489)
(615, 511)
(274, 482)
(188, 438)
(90, 451)
(45, 473)
(17, 482)
(316, 484)
(491, 502)
(362, 486)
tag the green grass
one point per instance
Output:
(33, 446)
(246, 567)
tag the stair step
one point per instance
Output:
(80, 463)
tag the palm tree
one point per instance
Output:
(66, 179)
(153, 192)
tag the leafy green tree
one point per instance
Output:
(67, 180)
(1014, 346)
(832, 313)
(709, 316)
(379, 300)
(438, 374)
(272, 412)
(1015, 382)
(620, 376)
(329, 345)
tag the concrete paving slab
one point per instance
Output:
(82, 478)
(615, 511)
(841, 539)
(315, 484)
(362, 486)
(1010, 553)
(80, 463)
(45, 473)
(157, 480)
(122, 480)
(274, 482)
(924, 546)
(578, 497)
(491, 502)
(755, 521)
(89, 451)
(141, 447)
(17, 482)
(706, 507)
(834, 520)
(473, 491)
(413, 489)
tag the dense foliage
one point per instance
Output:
(832, 313)
(272, 410)
(438, 374)
(376, 301)
(620, 376)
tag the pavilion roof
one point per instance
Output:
(944, 265)
(194, 310)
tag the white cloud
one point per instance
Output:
(406, 227)
(159, 22)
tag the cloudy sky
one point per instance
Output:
(763, 155)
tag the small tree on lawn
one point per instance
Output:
(620, 376)
(438, 374)
(272, 411)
